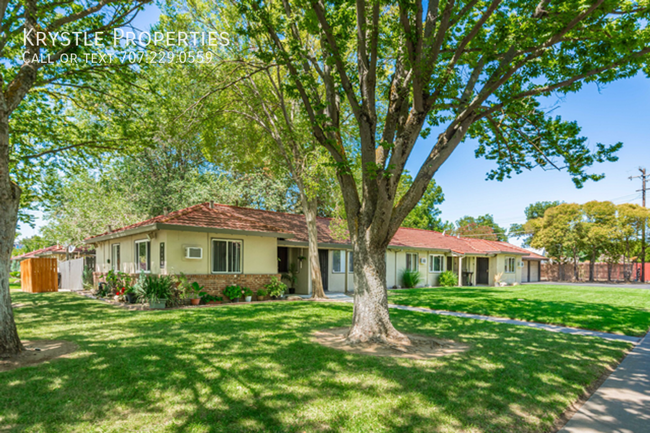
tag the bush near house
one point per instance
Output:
(448, 279)
(411, 278)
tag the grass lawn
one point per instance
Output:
(254, 368)
(610, 309)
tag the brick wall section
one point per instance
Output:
(215, 283)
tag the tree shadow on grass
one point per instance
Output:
(254, 368)
(491, 302)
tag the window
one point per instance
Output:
(115, 257)
(412, 261)
(162, 255)
(142, 255)
(510, 265)
(435, 263)
(226, 256)
(337, 262)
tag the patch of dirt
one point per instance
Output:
(420, 347)
(37, 352)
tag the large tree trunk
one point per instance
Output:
(9, 201)
(592, 265)
(310, 210)
(371, 319)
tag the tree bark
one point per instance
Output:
(310, 210)
(371, 318)
(9, 201)
(592, 266)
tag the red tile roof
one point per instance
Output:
(54, 249)
(295, 228)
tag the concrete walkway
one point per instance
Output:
(622, 403)
(341, 297)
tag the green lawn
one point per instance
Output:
(254, 368)
(611, 309)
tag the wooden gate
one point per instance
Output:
(72, 274)
(39, 275)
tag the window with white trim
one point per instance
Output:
(115, 257)
(510, 265)
(350, 262)
(142, 255)
(337, 262)
(226, 256)
(435, 263)
(412, 261)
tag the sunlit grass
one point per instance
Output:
(610, 309)
(255, 368)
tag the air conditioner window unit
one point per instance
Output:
(193, 253)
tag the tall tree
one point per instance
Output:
(533, 211)
(600, 228)
(34, 74)
(481, 227)
(463, 67)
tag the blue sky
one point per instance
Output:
(617, 112)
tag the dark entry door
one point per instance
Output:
(324, 267)
(482, 270)
(283, 259)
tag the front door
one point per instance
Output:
(324, 267)
(482, 270)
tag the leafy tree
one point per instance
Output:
(631, 218)
(560, 233)
(426, 215)
(32, 243)
(36, 91)
(482, 227)
(460, 67)
(533, 211)
(600, 228)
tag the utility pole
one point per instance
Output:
(644, 177)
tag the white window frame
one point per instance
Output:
(137, 255)
(241, 255)
(340, 270)
(513, 261)
(350, 262)
(414, 259)
(116, 266)
(432, 258)
(162, 255)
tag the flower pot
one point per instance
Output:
(158, 304)
(195, 301)
(249, 298)
(261, 298)
(233, 300)
(131, 298)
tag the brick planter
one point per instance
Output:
(215, 283)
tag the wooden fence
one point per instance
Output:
(39, 275)
(602, 272)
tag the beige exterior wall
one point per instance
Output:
(259, 252)
(337, 279)
(508, 277)
(303, 285)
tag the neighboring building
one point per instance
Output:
(219, 245)
(59, 252)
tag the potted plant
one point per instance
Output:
(210, 299)
(247, 293)
(292, 277)
(129, 293)
(233, 293)
(275, 288)
(261, 294)
(195, 292)
(155, 290)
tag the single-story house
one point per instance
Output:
(218, 245)
(59, 252)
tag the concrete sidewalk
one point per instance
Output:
(622, 403)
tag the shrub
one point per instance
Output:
(15, 274)
(411, 278)
(275, 287)
(262, 292)
(154, 288)
(448, 279)
(246, 291)
(232, 292)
